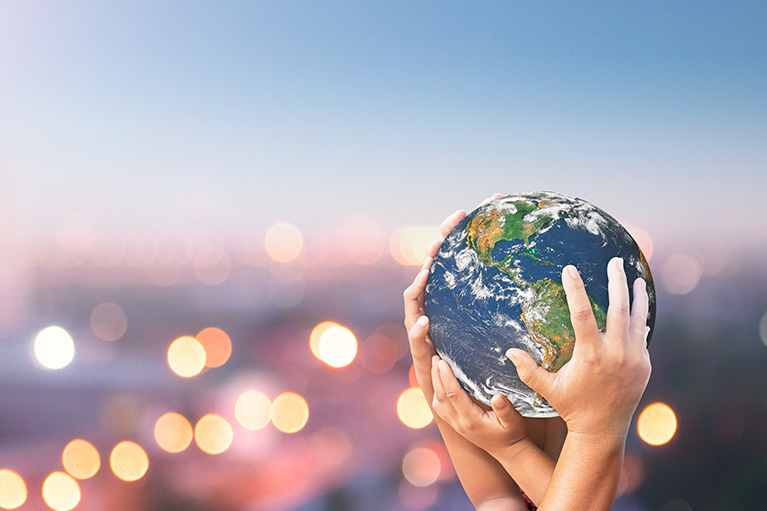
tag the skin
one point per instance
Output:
(596, 394)
(485, 478)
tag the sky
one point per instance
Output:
(236, 115)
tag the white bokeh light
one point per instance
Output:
(681, 273)
(54, 347)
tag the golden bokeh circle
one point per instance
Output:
(186, 357)
(128, 461)
(217, 345)
(61, 491)
(290, 412)
(253, 410)
(413, 410)
(337, 346)
(173, 432)
(13, 489)
(213, 434)
(81, 459)
(657, 424)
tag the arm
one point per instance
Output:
(596, 392)
(485, 481)
(501, 431)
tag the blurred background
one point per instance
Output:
(209, 212)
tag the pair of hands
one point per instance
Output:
(596, 393)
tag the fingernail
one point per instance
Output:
(512, 356)
(434, 360)
(619, 263)
(572, 271)
(499, 401)
(423, 321)
(442, 366)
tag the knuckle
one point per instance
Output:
(581, 312)
(621, 309)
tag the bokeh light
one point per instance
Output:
(417, 498)
(217, 345)
(657, 424)
(680, 273)
(61, 492)
(316, 335)
(81, 459)
(411, 376)
(128, 461)
(408, 243)
(632, 474)
(421, 466)
(363, 240)
(253, 410)
(283, 242)
(54, 347)
(763, 329)
(213, 434)
(643, 239)
(337, 346)
(108, 321)
(413, 410)
(186, 357)
(173, 432)
(13, 489)
(290, 412)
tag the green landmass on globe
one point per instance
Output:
(496, 284)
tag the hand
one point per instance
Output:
(598, 390)
(416, 323)
(496, 430)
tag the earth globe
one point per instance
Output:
(496, 284)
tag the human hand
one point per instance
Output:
(496, 430)
(416, 323)
(598, 390)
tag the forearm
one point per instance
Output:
(529, 466)
(483, 478)
(586, 475)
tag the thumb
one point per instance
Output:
(505, 412)
(535, 377)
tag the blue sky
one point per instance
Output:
(239, 114)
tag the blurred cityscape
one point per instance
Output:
(269, 370)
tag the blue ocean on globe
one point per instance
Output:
(496, 284)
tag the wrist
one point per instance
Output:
(514, 450)
(598, 429)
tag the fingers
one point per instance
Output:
(505, 412)
(618, 293)
(431, 251)
(453, 390)
(530, 373)
(440, 403)
(422, 351)
(413, 297)
(581, 316)
(491, 198)
(638, 328)
(420, 346)
(451, 221)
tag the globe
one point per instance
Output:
(496, 284)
